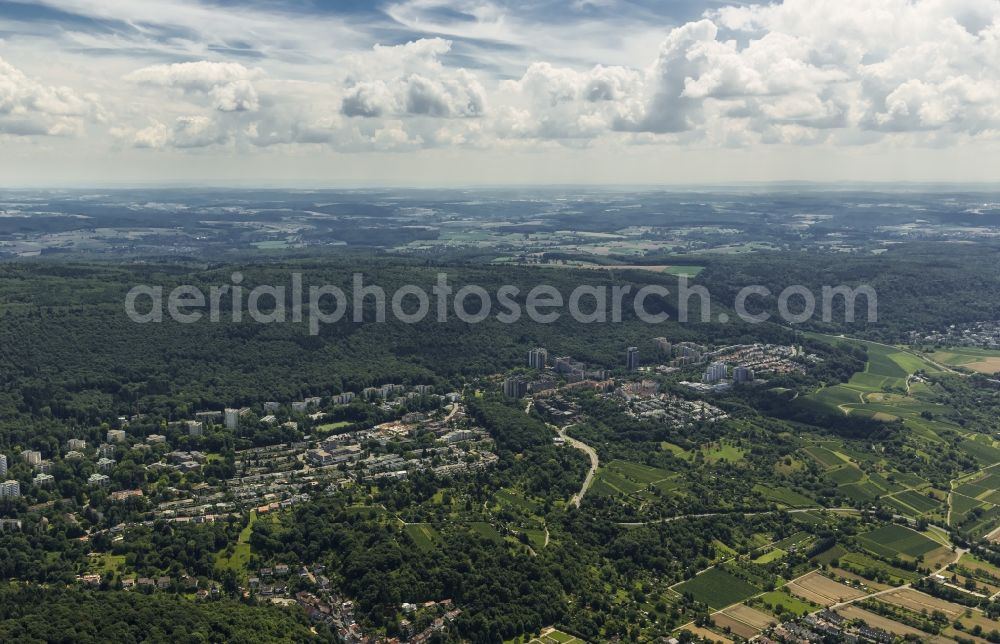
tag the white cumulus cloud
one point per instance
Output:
(229, 86)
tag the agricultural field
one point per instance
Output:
(821, 590)
(871, 568)
(877, 621)
(717, 588)
(825, 457)
(896, 540)
(921, 602)
(979, 567)
(784, 496)
(883, 390)
(627, 478)
(485, 530)
(969, 358)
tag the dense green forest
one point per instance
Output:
(33, 614)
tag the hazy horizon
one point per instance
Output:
(467, 93)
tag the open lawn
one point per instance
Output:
(240, 557)
(423, 534)
(723, 451)
(789, 603)
(105, 563)
(326, 428)
(514, 499)
(548, 636)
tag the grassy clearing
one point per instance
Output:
(723, 451)
(514, 499)
(239, 559)
(778, 602)
(768, 557)
(105, 563)
(423, 534)
(327, 428)
(486, 530)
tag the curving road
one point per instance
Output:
(594, 462)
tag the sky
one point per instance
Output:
(472, 92)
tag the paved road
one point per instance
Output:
(594, 462)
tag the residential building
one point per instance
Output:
(272, 405)
(154, 439)
(105, 464)
(44, 467)
(73, 455)
(459, 435)
(43, 480)
(514, 387)
(116, 436)
(209, 416)
(715, 372)
(3, 465)
(320, 457)
(98, 479)
(232, 418)
(632, 358)
(10, 489)
(342, 399)
(31, 457)
(743, 374)
(77, 444)
(195, 428)
(663, 345)
(537, 358)
(106, 450)
(572, 370)
(689, 350)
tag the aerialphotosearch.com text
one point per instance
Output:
(318, 305)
